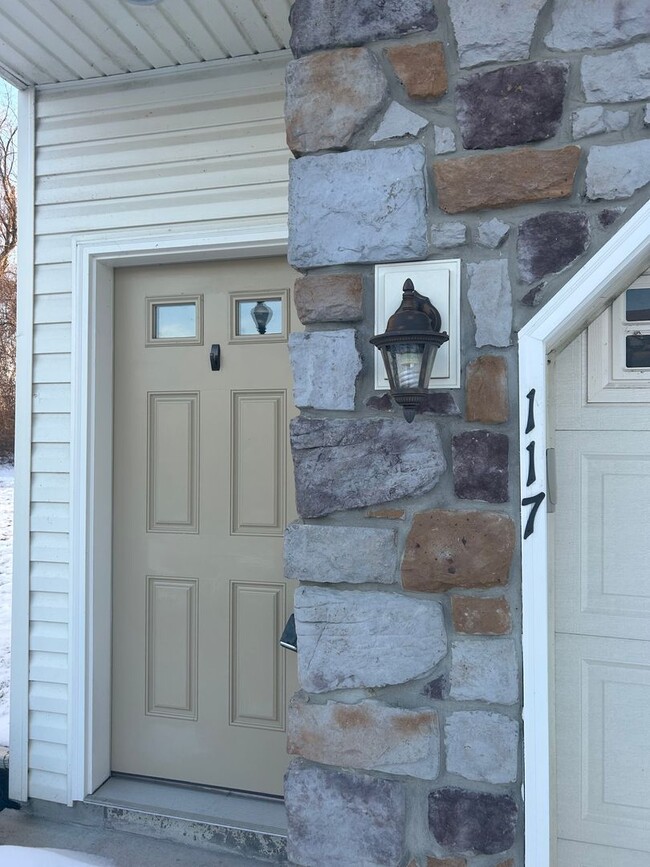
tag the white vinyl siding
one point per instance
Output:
(176, 152)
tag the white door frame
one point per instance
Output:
(93, 261)
(579, 302)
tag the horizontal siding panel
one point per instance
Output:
(221, 140)
(53, 279)
(44, 756)
(48, 635)
(48, 727)
(48, 667)
(48, 787)
(52, 608)
(52, 367)
(247, 201)
(49, 697)
(53, 308)
(54, 577)
(51, 458)
(50, 488)
(50, 337)
(50, 547)
(51, 428)
(162, 179)
(51, 397)
(50, 517)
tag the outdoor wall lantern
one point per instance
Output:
(408, 349)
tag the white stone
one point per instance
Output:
(579, 24)
(350, 639)
(618, 171)
(621, 76)
(496, 30)
(482, 746)
(325, 367)
(329, 555)
(444, 140)
(484, 670)
(492, 233)
(448, 234)
(360, 206)
(595, 119)
(490, 297)
(369, 735)
(398, 122)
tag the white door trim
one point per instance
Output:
(583, 298)
(93, 262)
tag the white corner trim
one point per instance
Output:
(19, 713)
(93, 259)
(585, 295)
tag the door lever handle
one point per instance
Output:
(215, 356)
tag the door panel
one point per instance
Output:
(203, 490)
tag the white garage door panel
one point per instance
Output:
(571, 854)
(603, 750)
(602, 579)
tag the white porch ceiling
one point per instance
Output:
(50, 41)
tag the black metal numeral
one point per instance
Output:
(530, 425)
(535, 502)
(530, 448)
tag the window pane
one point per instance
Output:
(637, 350)
(637, 305)
(174, 321)
(263, 316)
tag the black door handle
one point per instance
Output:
(215, 356)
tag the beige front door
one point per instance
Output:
(601, 624)
(203, 490)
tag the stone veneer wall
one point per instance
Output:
(512, 134)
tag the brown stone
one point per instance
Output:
(394, 514)
(331, 298)
(487, 390)
(476, 616)
(446, 862)
(504, 180)
(421, 69)
(509, 863)
(447, 549)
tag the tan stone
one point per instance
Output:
(477, 616)
(331, 298)
(393, 514)
(487, 390)
(509, 863)
(446, 862)
(421, 69)
(447, 549)
(504, 180)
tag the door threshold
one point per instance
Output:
(253, 825)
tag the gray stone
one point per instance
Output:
(621, 76)
(444, 140)
(448, 234)
(354, 639)
(484, 670)
(618, 171)
(490, 298)
(482, 746)
(330, 23)
(437, 689)
(383, 402)
(595, 119)
(330, 96)
(492, 233)
(477, 822)
(399, 122)
(343, 817)
(502, 31)
(608, 216)
(480, 465)
(362, 206)
(325, 367)
(439, 403)
(368, 735)
(512, 105)
(342, 464)
(579, 24)
(550, 242)
(330, 555)
(646, 115)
